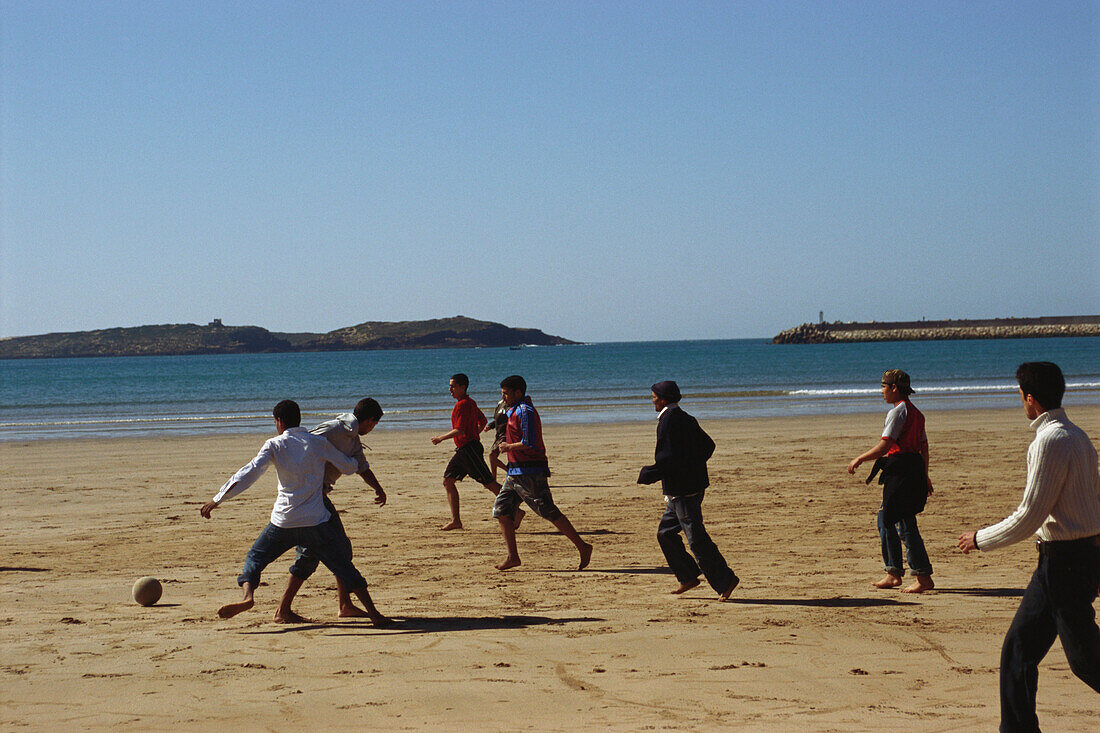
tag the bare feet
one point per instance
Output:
(729, 591)
(379, 621)
(586, 556)
(509, 562)
(451, 525)
(289, 617)
(920, 585)
(890, 581)
(685, 587)
(518, 517)
(352, 611)
(230, 610)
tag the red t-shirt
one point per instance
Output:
(467, 417)
(905, 426)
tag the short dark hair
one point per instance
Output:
(289, 412)
(1042, 380)
(461, 379)
(514, 382)
(367, 409)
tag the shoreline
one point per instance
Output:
(840, 405)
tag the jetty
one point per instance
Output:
(990, 328)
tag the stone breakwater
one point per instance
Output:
(1003, 328)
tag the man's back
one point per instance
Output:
(343, 432)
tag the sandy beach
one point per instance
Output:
(805, 643)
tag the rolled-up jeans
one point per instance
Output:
(324, 541)
(305, 563)
(904, 530)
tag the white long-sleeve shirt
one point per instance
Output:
(1062, 496)
(299, 457)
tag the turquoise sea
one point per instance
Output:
(604, 382)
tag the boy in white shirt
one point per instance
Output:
(299, 516)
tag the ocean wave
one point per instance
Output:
(934, 389)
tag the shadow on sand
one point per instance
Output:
(583, 533)
(24, 570)
(633, 571)
(429, 624)
(991, 592)
(821, 602)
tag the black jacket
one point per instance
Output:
(904, 480)
(681, 455)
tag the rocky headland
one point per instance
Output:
(216, 338)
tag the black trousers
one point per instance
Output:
(685, 513)
(1057, 602)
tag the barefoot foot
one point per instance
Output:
(890, 581)
(230, 610)
(352, 611)
(509, 562)
(451, 525)
(586, 556)
(380, 621)
(289, 617)
(920, 585)
(685, 587)
(729, 591)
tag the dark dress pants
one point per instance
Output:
(1057, 602)
(685, 514)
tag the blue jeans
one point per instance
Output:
(1057, 602)
(685, 513)
(306, 561)
(904, 531)
(321, 539)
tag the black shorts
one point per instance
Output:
(469, 460)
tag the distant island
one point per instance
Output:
(215, 338)
(992, 328)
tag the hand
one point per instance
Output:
(208, 507)
(854, 465)
(437, 440)
(968, 542)
(930, 489)
(380, 497)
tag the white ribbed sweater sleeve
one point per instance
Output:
(1062, 497)
(1046, 472)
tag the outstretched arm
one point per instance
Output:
(244, 477)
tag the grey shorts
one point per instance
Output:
(533, 489)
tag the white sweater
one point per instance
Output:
(1062, 497)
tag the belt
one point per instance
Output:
(1057, 547)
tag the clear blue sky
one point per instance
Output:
(600, 170)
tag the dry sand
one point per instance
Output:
(804, 644)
